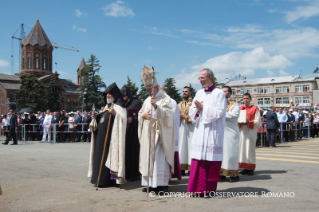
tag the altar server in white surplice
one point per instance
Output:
(231, 139)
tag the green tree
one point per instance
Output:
(31, 93)
(193, 90)
(92, 84)
(171, 89)
(54, 92)
(130, 85)
(142, 95)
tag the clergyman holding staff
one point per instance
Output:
(107, 155)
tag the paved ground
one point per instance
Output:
(52, 177)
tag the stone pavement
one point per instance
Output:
(52, 177)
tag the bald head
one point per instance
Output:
(162, 87)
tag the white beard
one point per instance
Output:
(109, 100)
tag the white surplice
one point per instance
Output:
(176, 122)
(186, 131)
(231, 140)
(247, 144)
(207, 141)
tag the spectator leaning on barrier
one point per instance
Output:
(301, 119)
(282, 118)
(292, 125)
(47, 127)
(78, 126)
(306, 124)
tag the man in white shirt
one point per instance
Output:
(47, 127)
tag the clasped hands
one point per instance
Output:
(199, 105)
(147, 115)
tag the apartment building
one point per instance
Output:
(287, 91)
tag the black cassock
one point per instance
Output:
(132, 145)
(105, 179)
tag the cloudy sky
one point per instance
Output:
(254, 38)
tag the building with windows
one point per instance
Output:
(287, 91)
(36, 58)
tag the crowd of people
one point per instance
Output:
(209, 138)
(70, 127)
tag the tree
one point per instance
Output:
(193, 90)
(93, 84)
(171, 89)
(31, 93)
(130, 85)
(54, 92)
(142, 95)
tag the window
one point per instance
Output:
(37, 62)
(267, 90)
(267, 101)
(249, 90)
(260, 101)
(241, 101)
(45, 65)
(233, 91)
(285, 100)
(242, 91)
(278, 89)
(306, 99)
(23, 63)
(278, 101)
(305, 88)
(298, 88)
(298, 99)
(285, 89)
(260, 90)
(29, 62)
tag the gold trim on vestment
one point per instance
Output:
(230, 173)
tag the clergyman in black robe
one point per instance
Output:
(102, 119)
(132, 144)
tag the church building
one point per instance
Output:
(36, 58)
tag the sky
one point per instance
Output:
(254, 38)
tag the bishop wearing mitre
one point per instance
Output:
(161, 122)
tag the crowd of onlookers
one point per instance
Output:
(74, 126)
(294, 123)
(69, 126)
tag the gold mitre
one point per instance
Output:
(147, 75)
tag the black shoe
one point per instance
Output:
(161, 190)
(234, 179)
(150, 189)
(4, 143)
(13, 144)
(245, 171)
(222, 177)
(250, 172)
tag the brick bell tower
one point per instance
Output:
(37, 50)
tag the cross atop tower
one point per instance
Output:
(37, 16)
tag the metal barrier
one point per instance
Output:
(291, 131)
(36, 128)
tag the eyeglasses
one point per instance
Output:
(201, 78)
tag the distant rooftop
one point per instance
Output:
(9, 77)
(270, 80)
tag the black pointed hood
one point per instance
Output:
(126, 92)
(116, 93)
